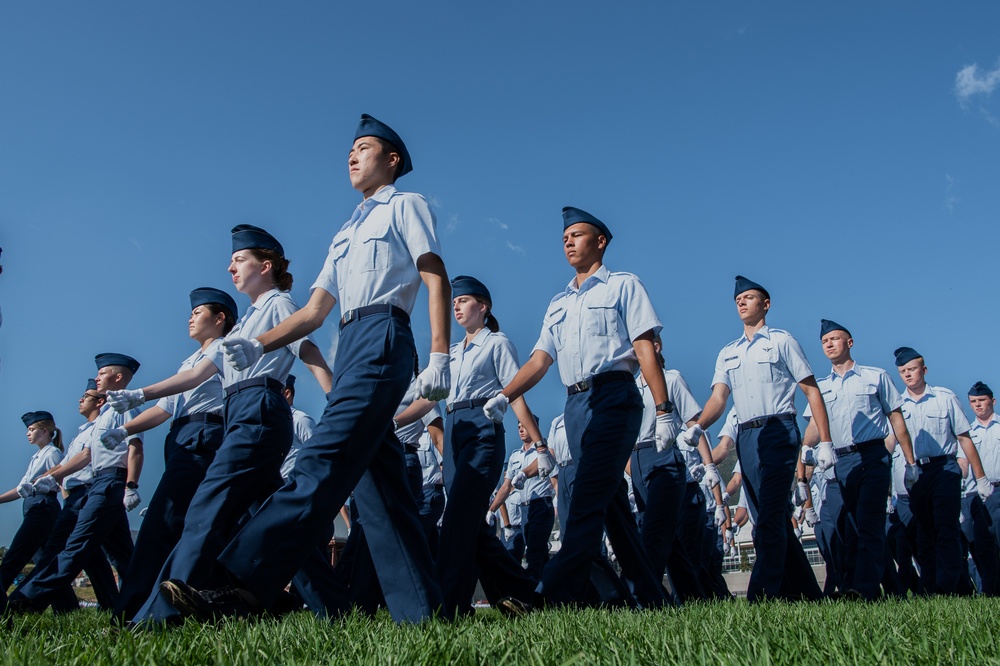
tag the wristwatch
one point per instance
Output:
(666, 407)
(132, 485)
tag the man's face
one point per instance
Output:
(982, 406)
(109, 379)
(89, 400)
(837, 345)
(583, 245)
(751, 305)
(523, 434)
(370, 166)
(913, 373)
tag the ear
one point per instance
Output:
(265, 267)
(850, 342)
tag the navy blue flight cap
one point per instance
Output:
(91, 385)
(205, 295)
(249, 237)
(746, 284)
(373, 127)
(290, 382)
(904, 355)
(573, 216)
(104, 360)
(828, 326)
(35, 417)
(464, 285)
(980, 388)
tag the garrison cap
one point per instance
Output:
(35, 417)
(290, 382)
(91, 385)
(464, 285)
(746, 284)
(205, 295)
(828, 326)
(249, 237)
(573, 216)
(905, 354)
(980, 388)
(104, 360)
(373, 127)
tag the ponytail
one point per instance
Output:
(57, 439)
(492, 323)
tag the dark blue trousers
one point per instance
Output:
(686, 555)
(100, 523)
(188, 451)
(903, 544)
(658, 483)
(244, 472)
(565, 490)
(469, 548)
(431, 509)
(536, 526)
(936, 501)
(352, 448)
(601, 427)
(767, 457)
(977, 531)
(863, 478)
(713, 582)
(515, 544)
(39, 516)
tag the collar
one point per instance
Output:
(764, 332)
(928, 393)
(382, 196)
(480, 338)
(993, 419)
(601, 275)
(265, 297)
(853, 371)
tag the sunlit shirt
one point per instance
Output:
(858, 404)
(302, 430)
(270, 309)
(101, 457)
(42, 461)
(481, 368)
(204, 398)
(81, 442)
(934, 422)
(558, 444)
(987, 440)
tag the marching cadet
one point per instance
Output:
(600, 329)
(302, 427)
(374, 268)
(901, 534)
(101, 522)
(196, 432)
(39, 509)
(761, 369)
(978, 525)
(862, 405)
(432, 503)
(937, 427)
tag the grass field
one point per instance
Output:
(943, 631)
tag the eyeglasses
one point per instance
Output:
(87, 396)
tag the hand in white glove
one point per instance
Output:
(45, 485)
(798, 513)
(545, 463)
(808, 456)
(729, 536)
(890, 506)
(112, 439)
(727, 547)
(496, 407)
(691, 436)
(736, 529)
(811, 517)
(720, 516)
(508, 533)
(434, 382)
(725, 497)
(132, 499)
(26, 490)
(801, 493)
(697, 472)
(984, 488)
(491, 518)
(798, 532)
(667, 428)
(518, 480)
(712, 478)
(126, 399)
(241, 353)
(826, 457)
(911, 473)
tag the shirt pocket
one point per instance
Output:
(936, 422)
(734, 370)
(377, 243)
(602, 317)
(769, 367)
(866, 400)
(554, 325)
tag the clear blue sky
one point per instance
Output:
(845, 155)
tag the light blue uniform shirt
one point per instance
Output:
(42, 461)
(514, 513)
(934, 422)
(270, 309)
(685, 406)
(558, 444)
(534, 487)
(969, 480)
(858, 404)
(987, 440)
(205, 397)
(591, 329)
(729, 425)
(302, 430)
(762, 373)
(430, 461)
(373, 258)
(483, 367)
(898, 472)
(102, 457)
(82, 441)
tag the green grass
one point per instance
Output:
(942, 631)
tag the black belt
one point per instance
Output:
(438, 486)
(995, 484)
(933, 460)
(270, 383)
(597, 380)
(411, 448)
(368, 310)
(466, 404)
(639, 446)
(206, 417)
(118, 472)
(854, 448)
(753, 424)
(564, 463)
(77, 489)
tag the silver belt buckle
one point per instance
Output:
(923, 461)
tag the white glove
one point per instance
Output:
(984, 488)
(726, 546)
(720, 515)
(112, 439)
(508, 533)
(911, 473)
(697, 472)
(241, 353)
(729, 536)
(491, 518)
(811, 517)
(126, 399)
(736, 529)
(496, 407)
(725, 497)
(826, 457)
(712, 478)
(45, 485)
(518, 480)
(808, 456)
(545, 464)
(798, 532)
(798, 513)
(26, 490)
(691, 436)
(890, 506)
(667, 428)
(142, 514)
(434, 383)
(801, 493)
(132, 499)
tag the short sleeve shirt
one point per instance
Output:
(987, 439)
(482, 367)
(858, 404)
(934, 421)
(206, 397)
(270, 309)
(81, 442)
(102, 457)
(558, 444)
(42, 461)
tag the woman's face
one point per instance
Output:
(38, 435)
(203, 324)
(469, 313)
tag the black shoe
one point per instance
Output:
(187, 600)
(210, 604)
(286, 603)
(513, 607)
(22, 606)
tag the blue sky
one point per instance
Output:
(845, 155)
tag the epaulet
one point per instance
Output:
(946, 391)
(778, 330)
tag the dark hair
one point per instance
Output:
(490, 321)
(56, 432)
(230, 319)
(279, 267)
(387, 148)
